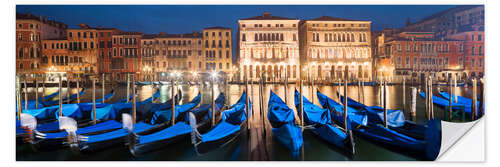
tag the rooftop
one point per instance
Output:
(268, 16)
(329, 18)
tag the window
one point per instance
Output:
(294, 25)
(220, 66)
(213, 34)
(294, 37)
(227, 34)
(473, 50)
(243, 25)
(479, 37)
(243, 37)
(227, 54)
(84, 35)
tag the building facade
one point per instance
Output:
(83, 48)
(268, 44)
(416, 55)
(473, 50)
(106, 50)
(328, 44)
(126, 57)
(217, 49)
(148, 61)
(30, 32)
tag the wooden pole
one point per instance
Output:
(285, 86)
(413, 102)
(346, 77)
(431, 100)
(474, 99)
(94, 119)
(404, 94)
(134, 104)
(128, 88)
(43, 86)
(25, 94)
(68, 89)
(338, 89)
(103, 88)
(455, 89)
(247, 103)
(18, 98)
(385, 103)
(152, 90)
(60, 96)
(481, 98)
(213, 101)
(359, 90)
(227, 92)
(36, 91)
(78, 89)
(312, 91)
(301, 103)
(450, 107)
(363, 91)
(172, 120)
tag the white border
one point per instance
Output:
(8, 70)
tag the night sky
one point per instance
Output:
(189, 18)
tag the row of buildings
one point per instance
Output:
(447, 43)
(49, 47)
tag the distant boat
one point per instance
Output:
(445, 103)
(282, 120)
(233, 120)
(324, 128)
(466, 102)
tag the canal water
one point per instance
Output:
(314, 148)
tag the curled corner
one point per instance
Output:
(452, 132)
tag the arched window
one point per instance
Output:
(21, 52)
(20, 66)
(32, 53)
(352, 37)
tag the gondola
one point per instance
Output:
(32, 103)
(445, 103)
(466, 102)
(233, 121)
(52, 139)
(161, 116)
(161, 136)
(64, 100)
(337, 111)
(424, 143)
(142, 82)
(321, 121)
(282, 120)
(395, 119)
(90, 143)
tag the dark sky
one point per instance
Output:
(189, 18)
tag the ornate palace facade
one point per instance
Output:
(268, 44)
(328, 44)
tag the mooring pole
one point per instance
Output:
(78, 89)
(60, 95)
(481, 98)
(413, 102)
(338, 88)
(450, 99)
(474, 99)
(94, 119)
(455, 89)
(18, 98)
(359, 90)
(68, 89)
(431, 100)
(363, 91)
(36, 91)
(247, 103)
(25, 94)
(172, 120)
(346, 77)
(227, 91)
(128, 88)
(285, 86)
(404, 94)
(301, 103)
(312, 91)
(213, 101)
(385, 103)
(134, 104)
(43, 86)
(103, 88)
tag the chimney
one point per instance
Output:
(162, 33)
(83, 26)
(266, 14)
(40, 17)
(45, 19)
